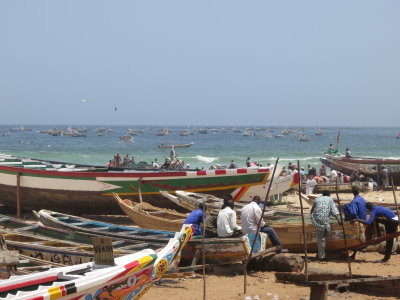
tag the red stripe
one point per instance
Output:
(201, 172)
(238, 194)
(63, 291)
(91, 174)
(241, 171)
(110, 174)
(220, 172)
(36, 298)
(28, 283)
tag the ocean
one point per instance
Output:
(208, 149)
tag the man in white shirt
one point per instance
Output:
(226, 221)
(250, 216)
(310, 185)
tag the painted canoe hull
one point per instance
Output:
(140, 214)
(291, 236)
(130, 278)
(222, 251)
(84, 191)
(370, 167)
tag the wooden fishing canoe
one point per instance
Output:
(218, 250)
(80, 189)
(79, 224)
(130, 277)
(39, 230)
(147, 216)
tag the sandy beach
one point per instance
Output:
(227, 282)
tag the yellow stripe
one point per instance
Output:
(143, 261)
(54, 292)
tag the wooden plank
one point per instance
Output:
(319, 292)
(103, 251)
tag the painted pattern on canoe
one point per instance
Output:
(81, 191)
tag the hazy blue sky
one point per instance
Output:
(314, 63)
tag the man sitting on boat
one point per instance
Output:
(226, 221)
(197, 218)
(250, 216)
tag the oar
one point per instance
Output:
(344, 233)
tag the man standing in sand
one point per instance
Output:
(310, 184)
(385, 178)
(386, 217)
(321, 211)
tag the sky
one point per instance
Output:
(224, 62)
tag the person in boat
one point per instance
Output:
(126, 160)
(197, 218)
(117, 160)
(310, 184)
(330, 149)
(321, 211)
(233, 165)
(348, 153)
(226, 221)
(386, 217)
(110, 164)
(248, 161)
(251, 215)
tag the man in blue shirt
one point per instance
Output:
(359, 203)
(386, 217)
(197, 218)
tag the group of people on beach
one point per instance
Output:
(224, 224)
(355, 211)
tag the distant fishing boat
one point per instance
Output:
(175, 145)
(367, 166)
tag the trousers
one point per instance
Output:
(321, 235)
(271, 234)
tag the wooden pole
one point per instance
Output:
(140, 192)
(204, 254)
(258, 228)
(394, 196)
(344, 232)
(18, 195)
(303, 225)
